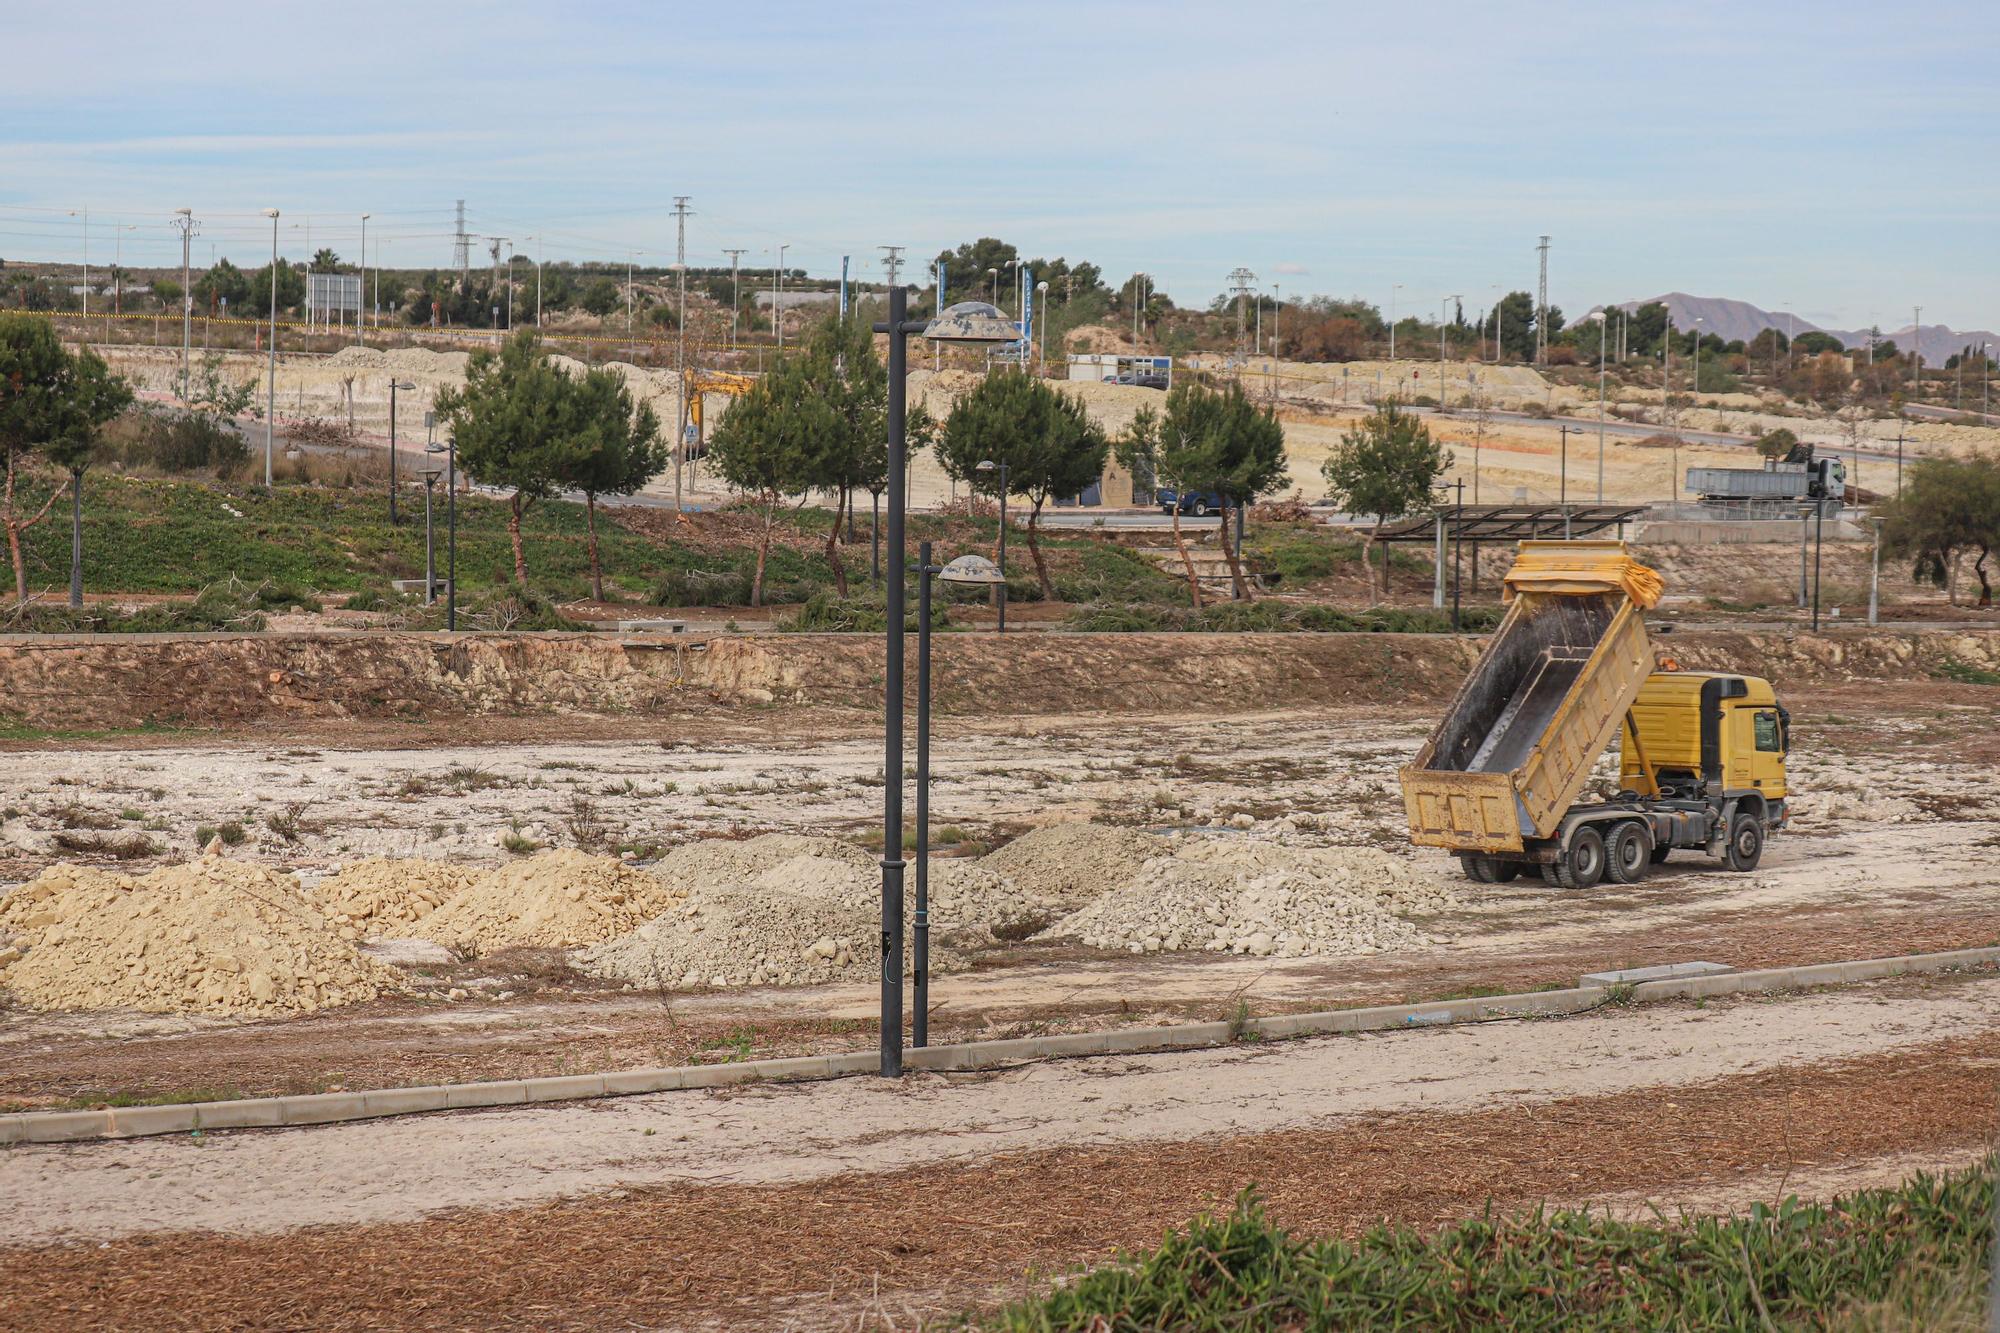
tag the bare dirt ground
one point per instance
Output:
(1892, 851)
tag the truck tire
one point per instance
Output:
(1504, 871)
(1661, 850)
(1581, 864)
(1628, 852)
(1746, 843)
(1477, 868)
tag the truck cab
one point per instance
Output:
(1687, 725)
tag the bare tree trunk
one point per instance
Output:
(1239, 585)
(1035, 553)
(1385, 558)
(17, 526)
(1187, 560)
(596, 569)
(515, 509)
(763, 549)
(833, 559)
(1368, 545)
(1985, 586)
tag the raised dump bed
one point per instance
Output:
(1517, 743)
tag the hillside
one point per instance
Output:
(1731, 319)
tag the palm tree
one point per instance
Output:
(326, 261)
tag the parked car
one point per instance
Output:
(1145, 380)
(1200, 504)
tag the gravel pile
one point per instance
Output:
(383, 896)
(207, 937)
(1262, 899)
(559, 900)
(1075, 862)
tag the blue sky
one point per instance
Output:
(1835, 158)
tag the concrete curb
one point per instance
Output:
(335, 1107)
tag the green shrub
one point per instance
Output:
(1919, 1249)
(865, 613)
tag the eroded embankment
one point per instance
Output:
(224, 679)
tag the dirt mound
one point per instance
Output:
(1225, 895)
(731, 936)
(559, 900)
(386, 896)
(1073, 863)
(209, 937)
(723, 862)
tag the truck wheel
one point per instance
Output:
(1504, 871)
(1477, 868)
(1627, 852)
(1746, 843)
(1660, 853)
(1582, 862)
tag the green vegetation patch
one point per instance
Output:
(1967, 674)
(1909, 1257)
(1274, 617)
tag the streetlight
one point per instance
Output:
(966, 571)
(1042, 292)
(1875, 574)
(271, 382)
(395, 384)
(778, 297)
(86, 259)
(1441, 305)
(993, 285)
(1603, 335)
(186, 228)
(1393, 289)
(432, 470)
(969, 322)
(450, 450)
(1000, 589)
(364, 283)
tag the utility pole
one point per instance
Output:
(364, 275)
(1241, 278)
(1277, 308)
(681, 356)
(735, 300)
(495, 246)
(1456, 296)
(778, 296)
(1542, 307)
(1916, 355)
(184, 223)
(1394, 287)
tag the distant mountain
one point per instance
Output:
(1731, 320)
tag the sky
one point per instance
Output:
(1833, 159)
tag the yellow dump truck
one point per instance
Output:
(1702, 754)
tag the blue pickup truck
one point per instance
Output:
(1200, 504)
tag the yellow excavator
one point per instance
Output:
(701, 383)
(1702, 753)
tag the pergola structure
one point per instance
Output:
(1510, 523)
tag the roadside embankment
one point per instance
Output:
(222, 679)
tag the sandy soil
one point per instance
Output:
(398, 1169)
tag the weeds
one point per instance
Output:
(584, 825)
(1907, 1257)
(127, 847)
(291, 825)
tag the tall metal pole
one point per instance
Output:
(920, 981)
(1603, 336)
(76, 537)
(898, 330)
(1563, 491)
(778, 297)
(1875, 576)
(1819, 549)
(451, 538)
(681, 355)
(364, 277)
(271, 372)
(430, 545)
(1003, 548)
(735, 299)
(394, 384)
(1394, 287)
(186, 225)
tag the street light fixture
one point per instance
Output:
(966, 571)
(1603, 335)
(969, 322)
(1042, 293)
(395, 384)
(988, 466)
(432, 470)
(450, 450)
(364, 277)
(271, 380)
